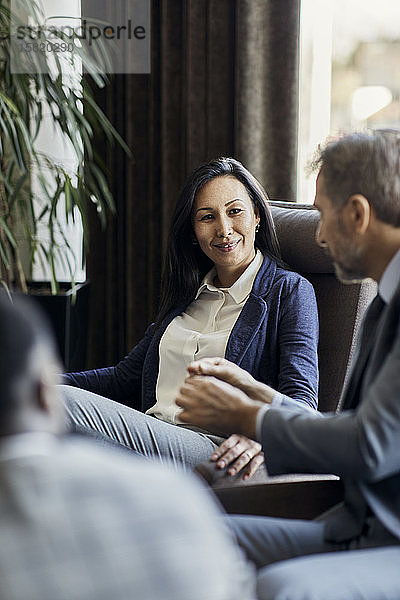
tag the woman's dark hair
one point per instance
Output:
(185, 263)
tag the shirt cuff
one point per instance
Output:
(276, 402)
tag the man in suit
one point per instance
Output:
(79, 522)
(353, 550)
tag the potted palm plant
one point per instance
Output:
(40, 196)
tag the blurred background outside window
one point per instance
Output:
(349, 73)
(55, 145)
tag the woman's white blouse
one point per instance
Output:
(201, 331)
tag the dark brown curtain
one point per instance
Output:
(223, 82)
(266, 92)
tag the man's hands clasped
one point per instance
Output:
(220, 396)
(226, 371)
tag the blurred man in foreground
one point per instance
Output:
(81, 523)
(353, 551)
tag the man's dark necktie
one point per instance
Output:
(363, 352)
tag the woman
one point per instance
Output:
(225, 292)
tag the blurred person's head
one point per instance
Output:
(29, 368)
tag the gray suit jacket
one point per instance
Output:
(82, 523)
(360, 444)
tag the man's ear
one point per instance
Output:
(47, 392)
(357, 212)
(50, 402)
(43, 396)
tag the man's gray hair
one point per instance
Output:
(366, 163)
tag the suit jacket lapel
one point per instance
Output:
(367, 341)
(253, 313)
(384, 339)
(245, 328)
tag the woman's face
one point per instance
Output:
(224, 222)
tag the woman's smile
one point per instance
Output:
(226, 246)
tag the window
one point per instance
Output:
(349, 73)
(54, 145)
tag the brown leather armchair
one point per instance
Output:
(340, 310)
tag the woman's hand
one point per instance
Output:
(238, 452)
(229, 372)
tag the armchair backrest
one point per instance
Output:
(340, 306)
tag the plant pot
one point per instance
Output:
(67, 312)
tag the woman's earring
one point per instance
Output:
(257, 227)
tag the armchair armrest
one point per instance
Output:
(294, 497)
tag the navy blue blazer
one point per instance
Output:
(275, 338)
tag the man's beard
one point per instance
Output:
(348, 262)
(348, 276)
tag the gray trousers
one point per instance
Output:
(112, 423)
(294, 561)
